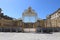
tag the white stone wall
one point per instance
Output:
(55, 20)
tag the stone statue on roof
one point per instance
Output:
(0, 10)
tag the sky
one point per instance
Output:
(15, 8)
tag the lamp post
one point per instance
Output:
(29, 23)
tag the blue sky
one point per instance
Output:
(15, 8)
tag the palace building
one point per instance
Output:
(29, 22)
(53, 20)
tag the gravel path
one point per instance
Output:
(29, 36)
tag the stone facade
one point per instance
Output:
(53, 20)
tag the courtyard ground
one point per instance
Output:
(29, 36)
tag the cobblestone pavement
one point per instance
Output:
(29, 36)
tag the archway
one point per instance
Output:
(29, 18)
